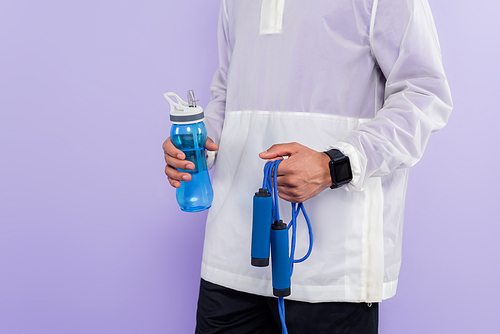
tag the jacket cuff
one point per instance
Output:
(357, 182)
(211, 156)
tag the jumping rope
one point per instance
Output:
(268, 228)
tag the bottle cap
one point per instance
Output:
(182, 112)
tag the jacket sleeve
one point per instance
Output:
(417, 100)
(216, 108)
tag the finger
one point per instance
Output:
(174, 183)
(210, 145)
(283, 168)
(287, 197)
(175, 175)
(280, 150)
(171, 150)
(176, 163)
(285, 181)
(290, 195)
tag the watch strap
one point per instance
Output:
(334, 154)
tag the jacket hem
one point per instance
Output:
(303, 293)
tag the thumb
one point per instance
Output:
(210, 145)
(279, 150)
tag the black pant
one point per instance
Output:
(222, 310)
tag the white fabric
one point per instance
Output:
(271, 16)
(211, 159)
(341, 74)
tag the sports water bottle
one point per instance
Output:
(188, 134)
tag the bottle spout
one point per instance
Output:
(182, 112)
(191, 99)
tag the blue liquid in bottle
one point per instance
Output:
(195, 195)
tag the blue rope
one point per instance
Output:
(293, 226)
(266, 172)
(281, 310)
(270, 182)
(276, 204)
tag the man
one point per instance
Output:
(363, 78)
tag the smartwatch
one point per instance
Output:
(340, 168)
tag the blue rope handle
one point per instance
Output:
(270, 182)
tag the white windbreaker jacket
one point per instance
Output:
(362, 76)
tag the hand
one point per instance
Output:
(303, 175)
(175, 158)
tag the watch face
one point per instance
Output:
(340, 168)
(342, 172)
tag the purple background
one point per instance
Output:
(91, 239)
